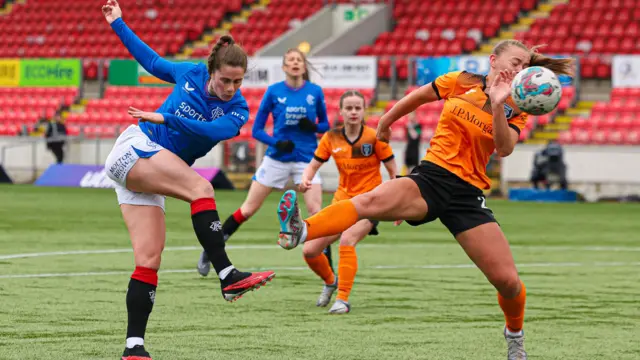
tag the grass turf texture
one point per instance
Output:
(416, 296)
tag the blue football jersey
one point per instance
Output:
(194, 120)
(287, 107)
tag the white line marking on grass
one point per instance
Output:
(299, 268)
(276, 247)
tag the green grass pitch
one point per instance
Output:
(65, 261)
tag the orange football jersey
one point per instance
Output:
(463, 141)
(358, 162)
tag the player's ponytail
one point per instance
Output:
(226, 52)
(560, 66)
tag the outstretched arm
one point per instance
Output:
(223, 128)
(149, 59)
(407, 104)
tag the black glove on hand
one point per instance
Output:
(307, 125)
(285, 146)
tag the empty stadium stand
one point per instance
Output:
(30, 30)
(589, 28)
(24, 107)
(265, 24)
(614, 122)
(441, 28)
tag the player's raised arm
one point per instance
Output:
(149, 59)
(504, 137)
(407, 104)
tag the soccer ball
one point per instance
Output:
(536, 90)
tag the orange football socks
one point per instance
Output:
(347, 269)
(514, 309)
(332, 220)
(320, 265)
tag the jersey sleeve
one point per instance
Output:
(518, 122)
(260, 122)
(384, 152)
(149, 59)
(321, 110)
(222, 128)
(323, 152)
(444, 85)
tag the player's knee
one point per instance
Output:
(507, 283)
(149, 258)
(365, 203)
(309, 251)
(202, 189)
(347, 239)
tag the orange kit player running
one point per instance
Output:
(478, 118)
(358, 155)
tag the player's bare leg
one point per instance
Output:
(166, 174)
(392, 200)
(489, 249)
(146, 225)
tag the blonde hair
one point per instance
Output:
(563, 66)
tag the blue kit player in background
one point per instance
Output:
(295, 104)
(152, 160)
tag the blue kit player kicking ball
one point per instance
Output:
(299, 114)
(152, 160)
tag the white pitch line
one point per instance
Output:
(275, 247)
(298, 268)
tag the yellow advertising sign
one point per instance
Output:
(9, 72)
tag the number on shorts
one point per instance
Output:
(483, 202)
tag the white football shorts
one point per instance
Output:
(130, 146)
(275, 174)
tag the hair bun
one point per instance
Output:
(226, 40)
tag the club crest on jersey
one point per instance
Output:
(216, 113)
(508, 111)
(310, 99)
(367, 149)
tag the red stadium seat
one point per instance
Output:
(565, 138)
(80, 31)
